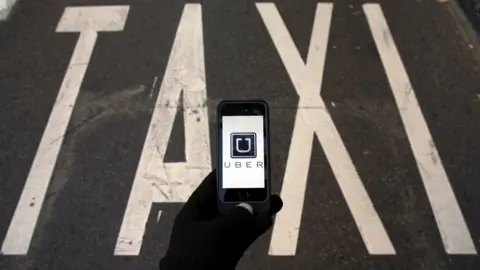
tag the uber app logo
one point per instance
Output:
(244, 145)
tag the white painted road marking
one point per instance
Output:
(307, 80)
(87, 21)
(453, 230)
(5, 8)
(156, 181)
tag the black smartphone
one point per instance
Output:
(243, 155)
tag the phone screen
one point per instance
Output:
(243, 152)
(243, 159)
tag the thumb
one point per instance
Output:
(242, 222)
(237, 230)
(239, 218)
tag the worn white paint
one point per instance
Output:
(451, 223)
(159, 214)
(307, 80)
(5, 7)
(20, 232)
(156, 181)
(99, 19)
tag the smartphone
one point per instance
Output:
(243, 155)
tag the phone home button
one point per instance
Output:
(244, 195)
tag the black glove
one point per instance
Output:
(203, 238)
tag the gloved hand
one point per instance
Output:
(203, 238)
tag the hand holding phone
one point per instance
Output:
(243, 164)
(223, 237)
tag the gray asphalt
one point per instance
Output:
(80, 220)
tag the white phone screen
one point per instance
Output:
(243, 151)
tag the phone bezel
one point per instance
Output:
(261, 196)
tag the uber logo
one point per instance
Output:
(243, 145)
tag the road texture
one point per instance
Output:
(377, 125)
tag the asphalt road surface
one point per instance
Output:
(94, 164)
